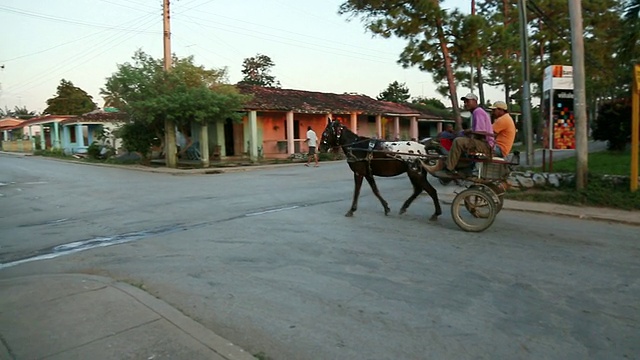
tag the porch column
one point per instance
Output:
(414, 128)
(290, 144)
(253, 135)
(204, 144)
(56, 136)
(220, 141)
(79, 137)
(43, 143)
(354, 122)
(439, 127)
(378, 126)
(396, 127)
(5, 136)
(33, 140)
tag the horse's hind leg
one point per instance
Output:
(417, 189)
(434, 196)
(357, 179)
(374, 187)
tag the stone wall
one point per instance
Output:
(529, 179)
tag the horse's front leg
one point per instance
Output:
(417, 189)
(357, 179)
(374, 187)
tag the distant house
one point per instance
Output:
(69, 133)
(281, 118)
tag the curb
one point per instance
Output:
(586, 213)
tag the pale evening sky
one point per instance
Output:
(313, 47)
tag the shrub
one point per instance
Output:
(613, 124)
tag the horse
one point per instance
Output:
(369, 157)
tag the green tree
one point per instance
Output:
(187, 94)
(427, 28)
(395, 92)
(433, 102)
(22, 113)
(69, 100)
(257, 71)
(502, 38)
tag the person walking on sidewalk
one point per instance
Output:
(312, 141)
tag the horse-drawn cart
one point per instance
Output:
(475, 208)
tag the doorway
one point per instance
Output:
(228, 138)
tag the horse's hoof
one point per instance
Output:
(433, 218)
(402, 211)
(349, 214)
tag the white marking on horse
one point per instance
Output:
(405, 148)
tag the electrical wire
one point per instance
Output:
(72, 61)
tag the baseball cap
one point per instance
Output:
(469, 96)
(499, 105)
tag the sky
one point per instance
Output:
(312, 46)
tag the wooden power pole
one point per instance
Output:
(579, 96)
(169, 126)
(526, 89)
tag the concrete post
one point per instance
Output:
(220, 140)
(253, 132)
(33, 139)
(414, 128)
(56, 136)
(290, 140)
(354, 122)
(378, 126)
(79, 137)
(204, 144)
(43, 143)
(396, 128)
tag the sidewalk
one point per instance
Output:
(73, 316)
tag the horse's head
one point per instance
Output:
(331, 136)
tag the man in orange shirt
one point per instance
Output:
(504, 128)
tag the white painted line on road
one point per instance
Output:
(272, 211)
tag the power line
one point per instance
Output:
(72, 61)
(68, 21)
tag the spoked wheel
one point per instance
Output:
(473, 210)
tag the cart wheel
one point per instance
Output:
(475, 205)
(473, 210)
(435, 152)
(497, 192)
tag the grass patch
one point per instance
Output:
(600, 163)
(599, 193)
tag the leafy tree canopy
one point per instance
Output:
(395, 92)
(69, 100)
(188, 93)
(18, 113)
(257, 71)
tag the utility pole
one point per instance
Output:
(526, 91)
(579, 96)
(170, 148)
(473, 12)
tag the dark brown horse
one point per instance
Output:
(370, 157)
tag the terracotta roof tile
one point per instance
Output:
(301, 101)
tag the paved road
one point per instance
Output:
(267, 259)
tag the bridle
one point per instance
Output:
(335, 131)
